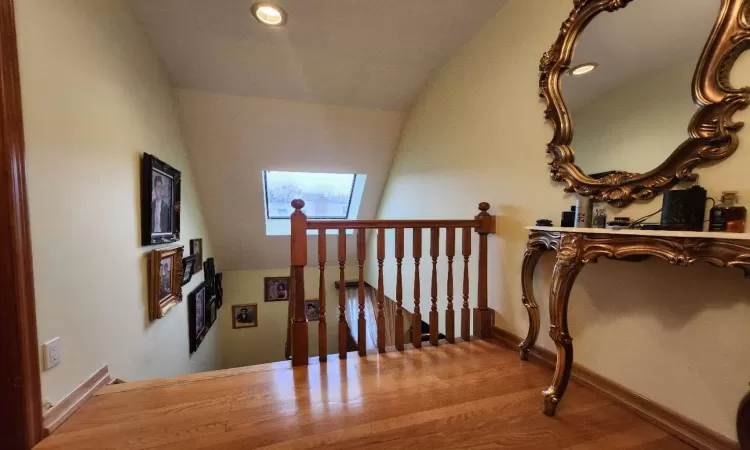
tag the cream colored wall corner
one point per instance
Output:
(233, 139)
(635, 127)
(95, 97)
(675, 335)
(265, 343)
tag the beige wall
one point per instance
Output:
(673, 334)
(637, 126)
(95, 98)
(265, 343)
(233, 139)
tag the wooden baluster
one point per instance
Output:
(299, 261)
(381, 296)
(322, 326)
(343, 329)
(434, 317)
(399, 290)
(450, 314)
(361, 324)
(416, 323)
(465, 314)
(482, 314)
(290, 316)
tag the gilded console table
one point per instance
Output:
(577, 247)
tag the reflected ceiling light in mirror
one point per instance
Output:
(582, 69)
(269, 14)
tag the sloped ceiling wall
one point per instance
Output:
(233, 139)
(362, 53)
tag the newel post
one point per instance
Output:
(482, 314)
(299, 261)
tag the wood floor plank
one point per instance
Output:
(470, 395)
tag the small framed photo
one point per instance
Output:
(165, 281)
(276, 289)
(160, 201)
(210, 313)
(196, 248)
(219, 289)
(245, 316)
(197, 316)
(312, 310)
(188, 266)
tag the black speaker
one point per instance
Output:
(684, 210)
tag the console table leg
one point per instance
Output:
(530, 260)
(567, 268)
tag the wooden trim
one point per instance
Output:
(299, 332)
(670, 421)
(58, 414)
(367, 224)
(20, 388)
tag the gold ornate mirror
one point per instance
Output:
(618, 88)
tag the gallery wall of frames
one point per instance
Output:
(168, 267)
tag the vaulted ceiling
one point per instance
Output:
(363, 53)
(325, 93)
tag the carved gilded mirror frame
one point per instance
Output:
(712, 133)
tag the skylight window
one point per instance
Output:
(327, 196)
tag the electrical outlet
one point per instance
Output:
(51, 352)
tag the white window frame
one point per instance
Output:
(283, 227)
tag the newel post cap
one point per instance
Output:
(298, 204)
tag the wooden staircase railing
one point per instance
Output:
(483, 224)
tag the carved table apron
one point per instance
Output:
(576, 247)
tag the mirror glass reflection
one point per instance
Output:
(629, 90)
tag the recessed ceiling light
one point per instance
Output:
(582, 69)
(269, 14)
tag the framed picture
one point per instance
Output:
(188, 266)
(312, 310)
(197, 317)
(165, 281)
(196, 248)
(160, 201)
(209, 277)
(245, 316)
(219, 289)
(212, 311)
(276, 289)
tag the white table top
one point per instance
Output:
(655, 233)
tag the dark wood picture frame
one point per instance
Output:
(189, 264)
(196, 248)
(209, 276)
(219, 290)
(267, 289)
(198, 316)
(211, 313)
(158, 303)
(150, 164)
(248, 306)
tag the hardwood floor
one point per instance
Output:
(469, 395)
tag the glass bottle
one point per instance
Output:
(728, 216)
